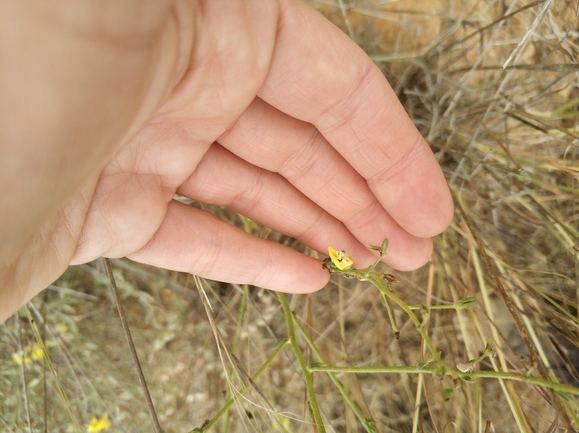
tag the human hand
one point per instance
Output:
(263, 107)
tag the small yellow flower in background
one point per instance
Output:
(98, 425)
(340, 259)
(36, 352)
(19, 359)
(61, 328)
(29, 354)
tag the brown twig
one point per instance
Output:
(132, 348)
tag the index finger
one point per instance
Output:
(318, 75)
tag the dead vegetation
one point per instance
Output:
(494, 88)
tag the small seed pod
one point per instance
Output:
(389, 278)
(465, 367)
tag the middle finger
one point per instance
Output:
(270, 139)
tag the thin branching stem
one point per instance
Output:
(470, 376)
(340, 263)
(382, 286)
(225, 409)
(367, 423)
(308, 379)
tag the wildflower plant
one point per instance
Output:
(338, 262)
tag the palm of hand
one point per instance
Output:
(281, 118)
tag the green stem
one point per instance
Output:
(313, 403)
(383, 287)
(390, 316)
(277, 349)
(377, 279)
(235, 343)
(454, 373)
(240, 315)
(246, 223)
(367, 423)
(459, 305)
(60, 389)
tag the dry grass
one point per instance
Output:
(493, 86)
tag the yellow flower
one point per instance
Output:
(36, 352)
(340, 259)
(29, 354)
(61, 328)
(98, 425)
(19, 359)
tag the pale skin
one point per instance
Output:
(108, 109)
